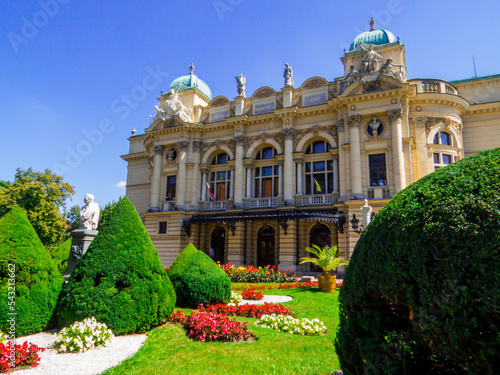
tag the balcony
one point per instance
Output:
(263, 202)
(379, 192)
(316, 200)
(215, 205)
(434, 86)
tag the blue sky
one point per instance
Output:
(77, 76)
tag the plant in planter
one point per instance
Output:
(328, 258)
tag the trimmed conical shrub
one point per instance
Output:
(60, 256)
(29, 281)
(120, 280)
(198, 279)
(421, 293)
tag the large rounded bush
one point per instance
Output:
(35, 282)
(120, 280)
(421, 293)
(60, 256)
(198, 279)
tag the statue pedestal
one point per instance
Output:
(79, 245)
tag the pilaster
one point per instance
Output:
(396, 116)
(356, 181)
(288, 246)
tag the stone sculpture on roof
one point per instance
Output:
(371, 59)
(288, 75)
(241, 84)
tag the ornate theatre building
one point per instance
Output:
(263, 176)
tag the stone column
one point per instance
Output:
(299, 177)
(280, 178)
(288, 166)
(239, 105)
(342, 171)
(336, 175)
(396, 116)
(421, 147)
(204, 174)
(287, 96)
(249, 182)
(181, 175)
(231, 191)
(196, 178)
(354, 122)
(238, 169)
(154, 203)
(80, 242)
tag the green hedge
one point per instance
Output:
(37, 283)
(421, 293)
(198, 279)
(60, 256)
(120, 280)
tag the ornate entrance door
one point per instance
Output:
(265, 246)
(219, 244)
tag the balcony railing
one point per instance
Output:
(434, 86)
(379, 192)
(263, 202)
(215, 205)
(316, 200)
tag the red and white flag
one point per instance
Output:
(210, 191)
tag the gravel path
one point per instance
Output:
(91, 362)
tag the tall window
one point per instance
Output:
(220, 177)
(171, 182)
(443, 159)
(319, 177)
(266, 174)
(443, 138)
(378, 171)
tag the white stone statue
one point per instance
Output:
(89, 214)
(371, 59)
(374, 124)
(174, 106)
(350, 77)
(388, 65)
(241, 84)
(366, 210)
(288, 75)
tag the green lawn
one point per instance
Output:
(168, 351)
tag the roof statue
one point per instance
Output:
(386, 70)
(288, 75)
(241, 84)
(371, 59)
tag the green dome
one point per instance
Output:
(190, 82)
(375, 37)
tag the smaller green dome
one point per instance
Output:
(190, 82)
(375, 37)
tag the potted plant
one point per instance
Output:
(328, 258)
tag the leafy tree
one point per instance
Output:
(42, 196)
(72, 217)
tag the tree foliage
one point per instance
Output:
(29, 281)
(420, 294)
(42, 196)
(120, 280)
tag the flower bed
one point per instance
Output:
(293, 325)
(235, 298)
(210, 326)
(19, 355)
(82, 336)
(294, 285)
(252, 294)
(253, 274)
(248, 310)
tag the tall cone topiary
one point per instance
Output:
(120, 280)
(29, 281)
(198, 279)
(60, 256)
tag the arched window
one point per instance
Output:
(443, 138)
(442, 159)
(220, 178)
(318, 147)
(266, 174)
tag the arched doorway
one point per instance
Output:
(218, 243)
(265, 246)
(320, 235)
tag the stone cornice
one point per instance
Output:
(443, 99)
(483, 108)
(135, 156)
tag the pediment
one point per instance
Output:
(365, 86)
(163, 123)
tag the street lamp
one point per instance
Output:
(354, 224)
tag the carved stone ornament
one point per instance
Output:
(263, 93)
(183, 145)
(371, 86)
(219, 102)
(248, 110)
(341, 125)
(264, 136)
(157, 149)
(315, 129)
(205, 117)
(420, 121)
(232, 110)
(354, 120)
(288, 132)
(314, 83)
(279, 102)
(395, 114)
(171, 155)
(239, 139)
(197, 145)
(229, 143)
(332, 93)
(77, 252)
(298, 101)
